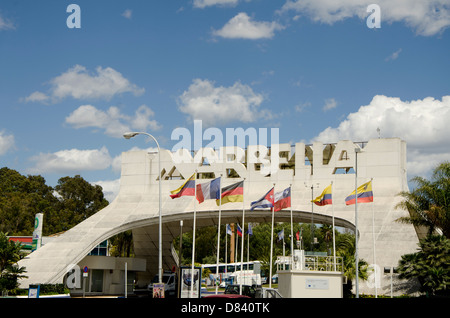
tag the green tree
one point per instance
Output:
(430, 265)
(346, 249)
(205, 243)
(326, 237)
(429, 203)
(78, 200)
(260, 247)
(121, 245)
(10, 254)
(21, 197)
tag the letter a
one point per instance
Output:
(374, 19)
(74, 20)
(73, 276)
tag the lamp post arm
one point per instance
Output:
(129, 135)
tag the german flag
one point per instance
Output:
(232, 193)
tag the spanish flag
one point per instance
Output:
(187, 188)
(232, 193)
(325, 198)
(364, 194)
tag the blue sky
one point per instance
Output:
(313, 68)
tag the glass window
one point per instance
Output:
(101, 249)
(97, 280)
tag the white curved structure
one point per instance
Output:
(136, 206)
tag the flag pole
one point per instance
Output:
(226, 248)
(248, 242)
(236, 248)
(243, 236)
(248, 247)
(312, 217)
(271, 246)
(374, 251)
(356, 223)
(284, 253)
(218, 234)
(292, 228)
(334, 240)
(193, 235)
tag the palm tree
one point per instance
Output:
(10, 254)
(431, 265)
(346, 249)
(122, 244)
(9, 280)
(429, 203)
(327, 234)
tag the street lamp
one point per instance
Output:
(129, 135)
(357, 150)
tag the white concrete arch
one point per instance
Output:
(302, 166)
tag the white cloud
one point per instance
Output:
(423, 124)
(394, 55)
(243, 27)
(78, 83)
(36, 97)
(116, 164)
(6, 24)
(207, 3)
(6, 142)
(110, 188)
(302, 106)
(141, 120)
(127, 13)
(112, 121)
(72, 160)
(425, 17)
(330, 103)
(220, 105)
(421, 163)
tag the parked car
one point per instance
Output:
(275, 279)
(226, 296)
(247, 290)
(170, 284)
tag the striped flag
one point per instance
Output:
(265, 202)
(282, 199)
(232, 193)
(187, 188)
(208, 190)
(229, 232)
(325, 197)
(239, 230)
(364, 194)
